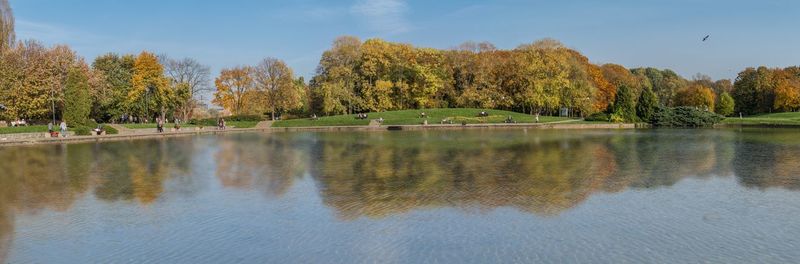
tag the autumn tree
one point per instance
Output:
(7, 35)
(725, 104)
(787, 91)
(150, 91)
(665, 83)
(545, 73)
(235, 90)
(275, 85)
(754, 91)
(77, 99)
(697, 96)
(32, 79)
(336, 81)
(190, 79)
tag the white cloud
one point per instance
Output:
(385, 16)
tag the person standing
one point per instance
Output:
(63, 127)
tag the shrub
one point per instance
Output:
(91, 124)
(204, 122)
(110, 130)
(212, 122)
(684, 117)
(255, 118)
(83, 131)
(598, 117)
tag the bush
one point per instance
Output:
(83, 131)
(212, 122)
(684, 117)
(110, 130)
(91, 124)
(254, 118)
(598, 117)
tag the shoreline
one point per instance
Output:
(150, 135)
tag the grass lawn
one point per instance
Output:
(33, 129)
(788, 118)
(411, 117)
(235, 124)
(23, 129)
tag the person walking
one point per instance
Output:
(160, 124)
(63, 127)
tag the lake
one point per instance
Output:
(471, 196)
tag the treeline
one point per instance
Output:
(39, 83)
(543, 77)
(269, 87)
(766, 90)
(42, 83)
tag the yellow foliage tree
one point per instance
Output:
(235, 90)
(150, 91)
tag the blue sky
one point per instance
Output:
(663, 34)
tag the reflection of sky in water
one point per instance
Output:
(443, 196)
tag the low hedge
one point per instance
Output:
(110, 130)
(684, 116)
(212, 122)
(82, 131)
(254, 118)
(598, 117)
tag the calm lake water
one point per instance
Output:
(536, 196)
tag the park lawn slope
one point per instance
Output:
(788, 118)
(412, 117)
(231, 124)
(23, 129)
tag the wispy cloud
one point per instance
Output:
(41, 31)
(384, 16)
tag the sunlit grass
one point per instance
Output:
(412, 117)
(788, 118)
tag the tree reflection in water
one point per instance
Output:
(381, 174)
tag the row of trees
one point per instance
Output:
(765, 90)
(38, 82)
(269, 87)
(42, 83)
(544, 76)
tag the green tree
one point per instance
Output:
(754, 91)
(77, 100)
(624, 109)
(109, 98)
(647, 104)
(726, 104)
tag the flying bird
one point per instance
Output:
(706, 38)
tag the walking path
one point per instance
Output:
(266, 126)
